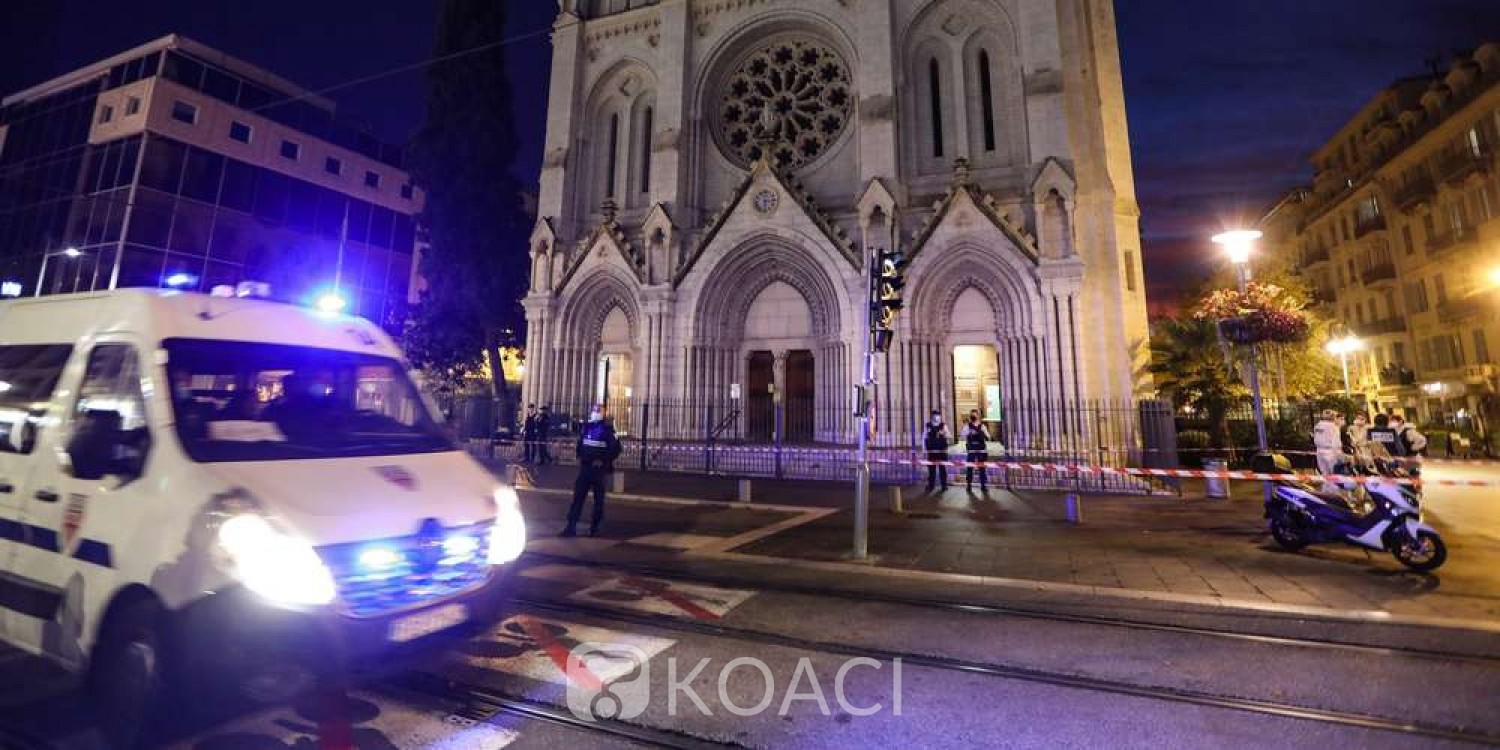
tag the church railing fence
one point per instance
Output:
(800, 439)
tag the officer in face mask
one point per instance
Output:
(597, 450)
(936, 442)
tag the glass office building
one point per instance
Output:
(176, 165)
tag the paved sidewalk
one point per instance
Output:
(1169, 546)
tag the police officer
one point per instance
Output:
(543, 430)
(1383, 442)
(529, 434)
(976, 445)
(597, 450)
(936, 443)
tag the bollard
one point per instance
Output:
(743, 486)
(1215, 488)
(1074, 508)
(617, 482)
(897, 506)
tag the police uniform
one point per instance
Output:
(976, 444)
(597, 450)
(936, 443)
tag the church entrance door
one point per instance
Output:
(760, 412)
(800, 397)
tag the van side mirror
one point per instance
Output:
(101, 448)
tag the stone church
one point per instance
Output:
(715, 170)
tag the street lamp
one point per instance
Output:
(68, 253)
(1342, 347)
(1239, 243)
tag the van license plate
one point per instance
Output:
(412, 627)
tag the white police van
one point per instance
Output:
(197, 483)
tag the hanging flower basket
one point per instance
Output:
(1263, 313)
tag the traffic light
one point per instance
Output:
(887, 279)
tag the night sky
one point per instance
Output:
(1226, 99)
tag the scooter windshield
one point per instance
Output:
(245, 401)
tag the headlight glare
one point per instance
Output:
(508, 535)
(276, 565)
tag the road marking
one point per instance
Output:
(375, 720)
(539, 648)
(664, 597)
(676, 541)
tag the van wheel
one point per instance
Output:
(127, 676)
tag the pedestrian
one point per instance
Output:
(597, 450)
(976, 447)
(529, 434)
(1413, 443)
(1357, 438)
(543, 431)
(936, 442)
(1328, 444)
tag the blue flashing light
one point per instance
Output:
(379, 558)
(180, 280)
(10, 288)
(460, 545)
(330, 303)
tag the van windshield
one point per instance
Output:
(243, 401)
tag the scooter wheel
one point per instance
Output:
(1286, 535)
(1422, 553)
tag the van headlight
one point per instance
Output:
(508, 535)
(276, 565)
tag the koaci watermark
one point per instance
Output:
(613, 681)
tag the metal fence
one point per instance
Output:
(801, 440)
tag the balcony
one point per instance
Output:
(1378, 273)
(1484, 303)
(1445, 242)
(1369, 224)
(1479, 374)
(1393, 324)
(1396, 375)
(1412, 194)
(1455, 166)
(1314, 256)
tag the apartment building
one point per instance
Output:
(174, 164)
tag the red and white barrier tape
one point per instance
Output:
(1196, 473)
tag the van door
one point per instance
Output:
(79, 496)
(28, 375)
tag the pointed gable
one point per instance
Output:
(745, 204)
(963, 195)
(608, 240)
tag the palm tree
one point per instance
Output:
(1189, 366)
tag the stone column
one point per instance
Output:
(563, 113)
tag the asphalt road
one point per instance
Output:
(786, 660)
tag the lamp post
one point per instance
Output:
(69, 253)
(1342, 347)
(1239, 243)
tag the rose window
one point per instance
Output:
(793, 95)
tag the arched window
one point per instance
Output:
(935, 89)
(986, 101)
(646, 125)
(614, 155)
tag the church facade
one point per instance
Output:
(716, 170)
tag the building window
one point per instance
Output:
(1440, 288)
(1129, 270)
(406, 191)
(372, 179)
(291, 150)
(614, 155)
(333, 166)
(1481, 347)
(239, 131)
(986, 101)
(132, 106)
(184, 112)
(935, 89)
(106, 113)
(1406, 242)
(646, 127)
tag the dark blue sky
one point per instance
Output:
(1226, 97)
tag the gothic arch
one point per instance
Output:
(732, 286)
(589, 303)
(1013, 297)
(612, 159)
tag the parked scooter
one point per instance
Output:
(1386, 516)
